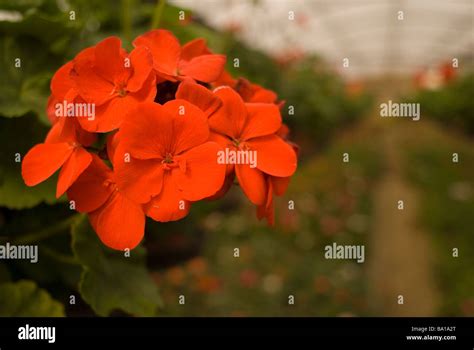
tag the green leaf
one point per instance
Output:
(24, 82)
(44, 27)
(14, 194)
(50, 228)
(26, 299)
(18, 136)
(110, 280)
(20, 5)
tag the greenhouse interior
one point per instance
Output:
(376, 99)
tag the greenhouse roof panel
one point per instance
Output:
(377, 36)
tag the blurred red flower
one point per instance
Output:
(240, 126)
(249, 278)
(173, 62)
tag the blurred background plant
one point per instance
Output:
(195, 257)
(452, 104)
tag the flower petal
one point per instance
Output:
(110, 115)
(190, 126)
(267, 210)
(62, 131)
(68, 129)
(228, 182)
(264, 96)
(170, 204)
(205, 68)
(119, 223)
(84, 137)
(51, 109)
(147, 131)
(139, 179)
(43, 160)
(199, 96)
(280, 184)
(61, 82)
(230, 118)
(262, 119)
(225, 79)
(91, 86)
(148, 91)
(274, 156)
(252, 182)
(224, 143)
(164, 47)
(110, 61)
(112, 143)
(85, 55)
(90, 191)
(203, 176)
(284, 131)
(142, 63)
(193, 48)
(254, 93)
(72, 168)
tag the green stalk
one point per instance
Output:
(157, 13)
(46, 232)
(127, 20)
(59, 257)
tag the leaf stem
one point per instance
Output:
(127, 20)
(64, 258)
(46, 232)
(157, 13)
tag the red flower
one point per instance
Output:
(113, 81)
(275, 186)
(199, 96)
(166, 156)
(240, 126)
(62, 89)
(62, 148)
(118, 221)
(249, 92)
(225, 78)
(173, 62)
(254, 92)
(163, 158)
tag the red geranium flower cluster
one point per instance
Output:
(149, 132)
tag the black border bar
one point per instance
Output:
(122, 331)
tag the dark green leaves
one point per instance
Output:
(26, 72)
(25, 299)
(110, 280)
(18, 136)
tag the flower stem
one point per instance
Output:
(157, 13)
(127, 19)
(63, 258)
(45, 233)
